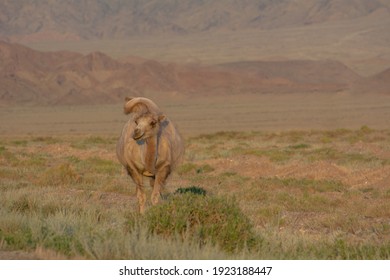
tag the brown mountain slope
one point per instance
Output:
(90, 19)
(28, 76)
(323, 74)
(15, 57)
(379, 83)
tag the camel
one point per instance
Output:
(149, 146)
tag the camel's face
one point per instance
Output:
(147, 125)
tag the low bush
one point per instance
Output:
(202, 219)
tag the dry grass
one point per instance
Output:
(306, 194)
(303, 183)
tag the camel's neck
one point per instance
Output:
(151, 154)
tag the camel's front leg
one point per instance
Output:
(141, 196)
(159, 182)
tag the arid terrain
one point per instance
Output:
(306, 194)
(284, 107)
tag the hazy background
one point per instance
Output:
(232, 65)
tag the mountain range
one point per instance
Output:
(98, 51)
(118, 19)
(28, 76)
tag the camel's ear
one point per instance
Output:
(128, 98)
(161, 118)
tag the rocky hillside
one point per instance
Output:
(32, 77)
(90, 19)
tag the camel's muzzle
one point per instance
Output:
(138, 134)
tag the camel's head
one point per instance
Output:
(147, 125)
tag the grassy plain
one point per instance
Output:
(286, 177)
(301, 194)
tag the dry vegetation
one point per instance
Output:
(288, 195)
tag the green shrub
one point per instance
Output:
(202, 219)
(192, 189)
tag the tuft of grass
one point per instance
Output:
(228, 174)
(60, 175)
(299, 146)
(274, 154)
(303, 184)
(92, 141)
(100, 165)
(46, 140)
(186, 168)
(205, 168)
(194, 168)
(24, 204)
(22, 143)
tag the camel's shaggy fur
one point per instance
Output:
(149, 145)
